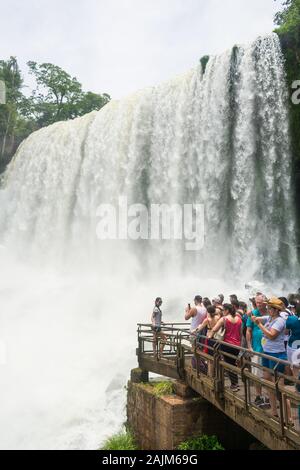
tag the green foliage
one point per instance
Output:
(56, 97)
(91, 102)
(59, 96)
(13, 126)
(121, 441)
(288, 21)
(201, 443)
(161, 389)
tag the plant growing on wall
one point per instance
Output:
(201, 443)
(124, 440)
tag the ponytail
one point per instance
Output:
(230, 309)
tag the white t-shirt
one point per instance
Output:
(198, 319)
(156, 317)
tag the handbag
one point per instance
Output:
(219, 335)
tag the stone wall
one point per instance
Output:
(162, 423)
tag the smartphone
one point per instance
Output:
(189, 305)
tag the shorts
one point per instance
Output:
(290, 353)
(156, 329)
(257, 371)
(269, 364)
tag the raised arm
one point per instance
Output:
(270, 334)
(190, 313)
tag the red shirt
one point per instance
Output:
(233, 331)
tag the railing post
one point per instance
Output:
(218, 375)
(180, 357)
(279, 398)
(181, 353)
(244, 380)
(139, 349)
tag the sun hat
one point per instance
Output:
(276, 303)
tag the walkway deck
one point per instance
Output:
(282, 433)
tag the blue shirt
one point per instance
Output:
(293, 324)
(256, 332)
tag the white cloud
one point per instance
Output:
(118, 46)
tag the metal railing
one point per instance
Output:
(212, 361)
(149, 343)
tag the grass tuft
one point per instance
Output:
(124, 440)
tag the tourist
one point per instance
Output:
(156, 320)
(242, 311)
(243, 308)
(287, 305)
(217, 302)
(254, 338)
(236, 306)
(222, 298)
(285, 315)
(293, 324)
(233, 298)
(232, 325)
(254, 306)
(273, 329)
(293, 309)
(197, 315)
(294, 301)
(211, 320)
(206, 302)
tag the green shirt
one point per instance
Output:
(257, 334)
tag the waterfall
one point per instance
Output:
(217, 137)
(220, 139)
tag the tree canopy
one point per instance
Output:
(13, 125)
(288, 19)
(57, 96)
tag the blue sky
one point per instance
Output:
(119, 46)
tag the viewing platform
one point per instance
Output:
(204, 370)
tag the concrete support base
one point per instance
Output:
(139, 376)
(162, 423)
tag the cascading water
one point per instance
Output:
(218, 137)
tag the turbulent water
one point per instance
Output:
(217, 137)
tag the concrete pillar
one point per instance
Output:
(139, 376)
(162, 423)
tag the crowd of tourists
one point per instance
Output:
(267, 326)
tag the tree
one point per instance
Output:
(10, 119)
(288, 19)
(288, 22)
(91, 101)
(59, 96)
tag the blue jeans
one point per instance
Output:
(269, 364)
